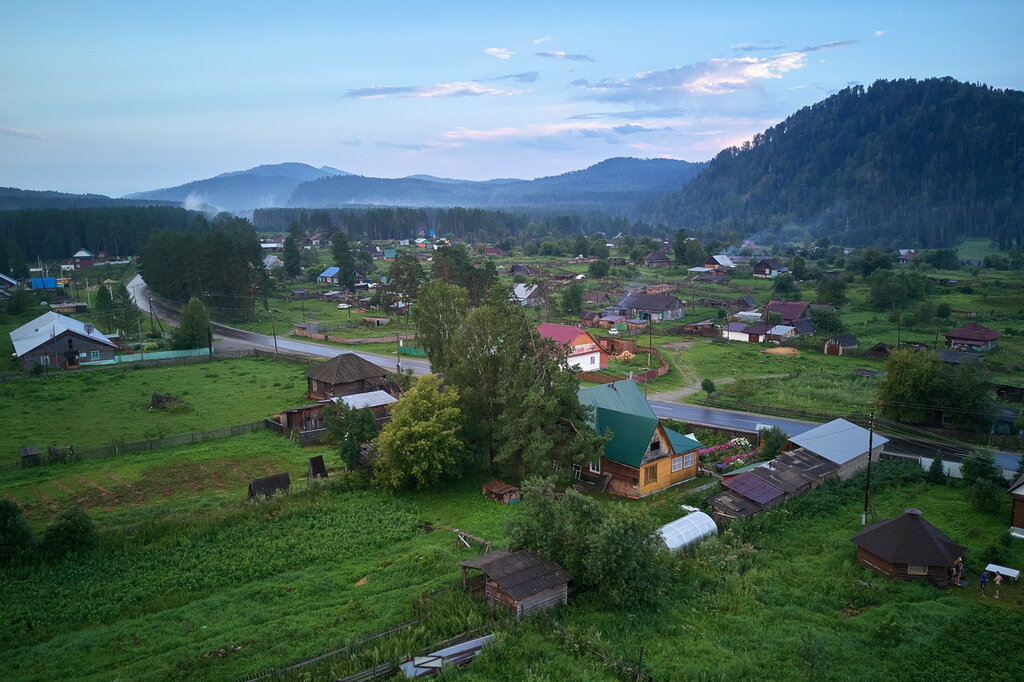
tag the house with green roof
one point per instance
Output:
(642, 456)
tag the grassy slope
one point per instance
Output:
(108, 405)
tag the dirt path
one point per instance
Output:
(691, 377)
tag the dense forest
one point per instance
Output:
(224, 259)
(13, 199)
(916, 163)
(57, 233)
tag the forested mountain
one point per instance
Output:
(616, 185)
(267, 185)
(13, 199)
(923, 163)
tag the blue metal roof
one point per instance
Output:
(330, 272)
(44, 282)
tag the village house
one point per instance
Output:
(842, 443)
(643, 457)
(972, 337)
(780, 333)
(1017, 513)
(841, 343)
(344, 374)
(7, 285)
(788, 310)
(584, 353)
(803, 326)
(271, 263)
(768, 268)
(906, 256)
(747, 333)
(330, 276)
(907, 547)
(527, 295)
(308, 418)
(720, 263)
(647, 306)
(597, 298)
(658, 259)
(58, 342)
(83, 259)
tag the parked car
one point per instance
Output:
(344, 306)
(613, 332)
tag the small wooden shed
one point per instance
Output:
(841, 343)
(520, 581)
(506, 493)
(1017, 515)
(907, 547)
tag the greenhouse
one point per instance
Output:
(686, 532)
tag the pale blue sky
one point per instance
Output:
(115, 97)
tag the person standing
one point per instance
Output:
(996, 582)
(958, 571)
(983, 579)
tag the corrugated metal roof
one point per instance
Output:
(331, 271)
(838, 441)
(750, 486)
(620, 406)
(681, 443)
(49, 325)
(368, 399)
(781, 330)
(520, 574)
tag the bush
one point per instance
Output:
(985, 496)
(15, 535)
(72, 531)
(936, 474)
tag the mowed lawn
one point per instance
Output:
(103, 406)
(159, 484)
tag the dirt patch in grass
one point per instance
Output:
(781, 351)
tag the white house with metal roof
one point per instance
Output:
(60, 342)
(842, 443)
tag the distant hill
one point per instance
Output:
(615, 185)
(266, 185)
(916, 163)
(13, 199)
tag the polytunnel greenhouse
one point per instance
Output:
(686, 532)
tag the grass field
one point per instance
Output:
(833, 393)
(109, 405)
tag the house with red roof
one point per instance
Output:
(972, 337)
(583, 351)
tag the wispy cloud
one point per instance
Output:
(499, 52)
(542, 39)
(566, 129)
(402, 145)
(563, 55)
(878, 34)
(758, 46)
(711, 77)
(22, 133)
(352, 143)
(525, 77)
(454, 89)
(634, 115)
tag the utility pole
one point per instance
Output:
(142, 346)
(273, 325)
(88, 298)
(867, 483)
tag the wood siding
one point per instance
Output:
(1018, 512)
(938, 575)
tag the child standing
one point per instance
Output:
(983, 579)
(997, 581)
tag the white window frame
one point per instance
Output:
(677, 463)
(688, 459)
(94, 355)
(44, 360)
(594, 467)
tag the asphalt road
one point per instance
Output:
(230, 338)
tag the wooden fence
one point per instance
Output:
(640, 377)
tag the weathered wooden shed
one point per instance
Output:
(1017, 515)
(506, 493)
(520, 581)
(907, 547)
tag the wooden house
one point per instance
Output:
(788, 310)
(648, 306)
(768, 268)
(344, 374)
(840, 343)
(719, 263)
(500, 491)
(643, 457)
(879, 351)
(658, 259)
(747, 333)
(972, 337)
(1017, 513)
(907, 547)
(59, 342)
(519, 581)
(583, 351)
(330, 276)
(780, 333)
(597, 298)
(527, 295)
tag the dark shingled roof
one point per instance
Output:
(805, 326)
(520, 574)
(644, 301)
(909, 539)
(974, 332)
(344, 369)
(846, 340)
(752, 487)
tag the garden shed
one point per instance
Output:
(500, 491)
(1017, 515)
(907, 547)
(520, 581)
(686, 532)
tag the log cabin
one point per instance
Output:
(907, 547)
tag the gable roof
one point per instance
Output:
(9, 281)
(520, 574)
(681, 443)
(746, 301)
(524, 291)
(838, 441)
(560, 333)
(49, 325)
(781, 330)
(84, 253)
(722, 260)
(344, 369)
(644, 301)
(790, 310)
(973, 331)
(845, 340)
(620, 406)
(331, 271)
(804, 326)
(909, 539)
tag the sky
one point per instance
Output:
(118, 97)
